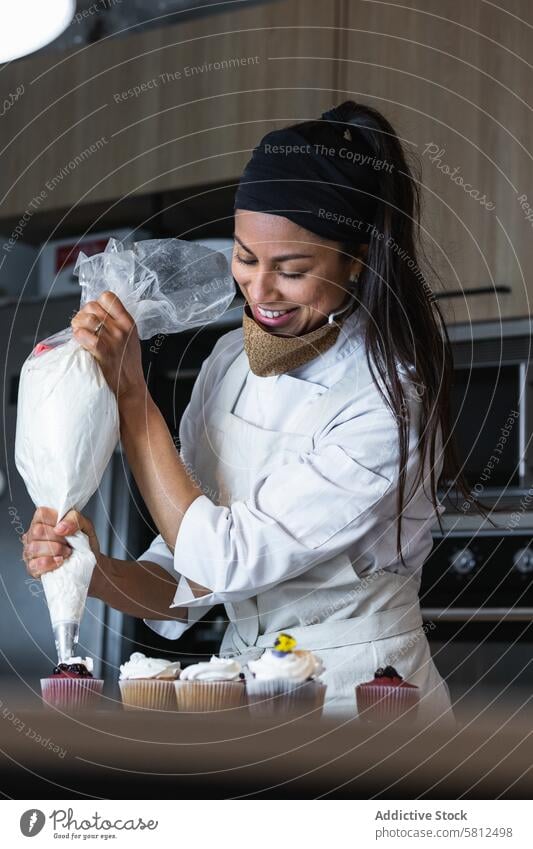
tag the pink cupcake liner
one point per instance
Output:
(210, 695)
(382, 702)
(147, 694)
(267, 698)
(71, 694)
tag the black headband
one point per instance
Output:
(323, 175)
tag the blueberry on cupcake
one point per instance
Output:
(72, 686)
(387, 697)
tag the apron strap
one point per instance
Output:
(233, 381)
(390, 622)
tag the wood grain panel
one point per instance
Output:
(454, 80)
(166, 109)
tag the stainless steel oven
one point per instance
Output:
(492, 404)
(477, 591)
(477, 601)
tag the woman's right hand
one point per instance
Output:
(45, 546)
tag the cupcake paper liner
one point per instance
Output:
(383, 703)
(209, 695)
(266, 698)
(147, 694)
(71, 694)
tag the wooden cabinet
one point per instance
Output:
(454, 80)
(180, 109)
(175, 107)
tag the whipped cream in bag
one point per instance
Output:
(67, 430)
(67, 416)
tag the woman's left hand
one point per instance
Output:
(107, 330)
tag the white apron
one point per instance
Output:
(387, 628)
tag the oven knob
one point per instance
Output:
(462, 561)
(523, 560)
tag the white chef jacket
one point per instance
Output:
(339, 497)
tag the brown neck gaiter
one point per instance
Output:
(269, 354)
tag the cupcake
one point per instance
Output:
(71, 686)
(217, 684)
(148, 683)
(387, 697)
(284, 680)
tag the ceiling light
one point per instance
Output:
(28, 25)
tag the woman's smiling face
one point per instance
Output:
(282, 268)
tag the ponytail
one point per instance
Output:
(406, 329)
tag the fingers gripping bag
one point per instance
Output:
(67, 416)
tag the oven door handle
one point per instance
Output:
(182, 373)
(478, 614)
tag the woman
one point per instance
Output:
(305, 491)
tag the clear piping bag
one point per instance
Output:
(67, 416)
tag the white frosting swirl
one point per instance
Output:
(217, 669)
(140, 666)
(292, 666)
(87, 662)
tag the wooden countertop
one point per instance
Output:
(135, 754)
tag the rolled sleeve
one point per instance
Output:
(160, 554)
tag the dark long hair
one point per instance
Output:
(406, 327)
